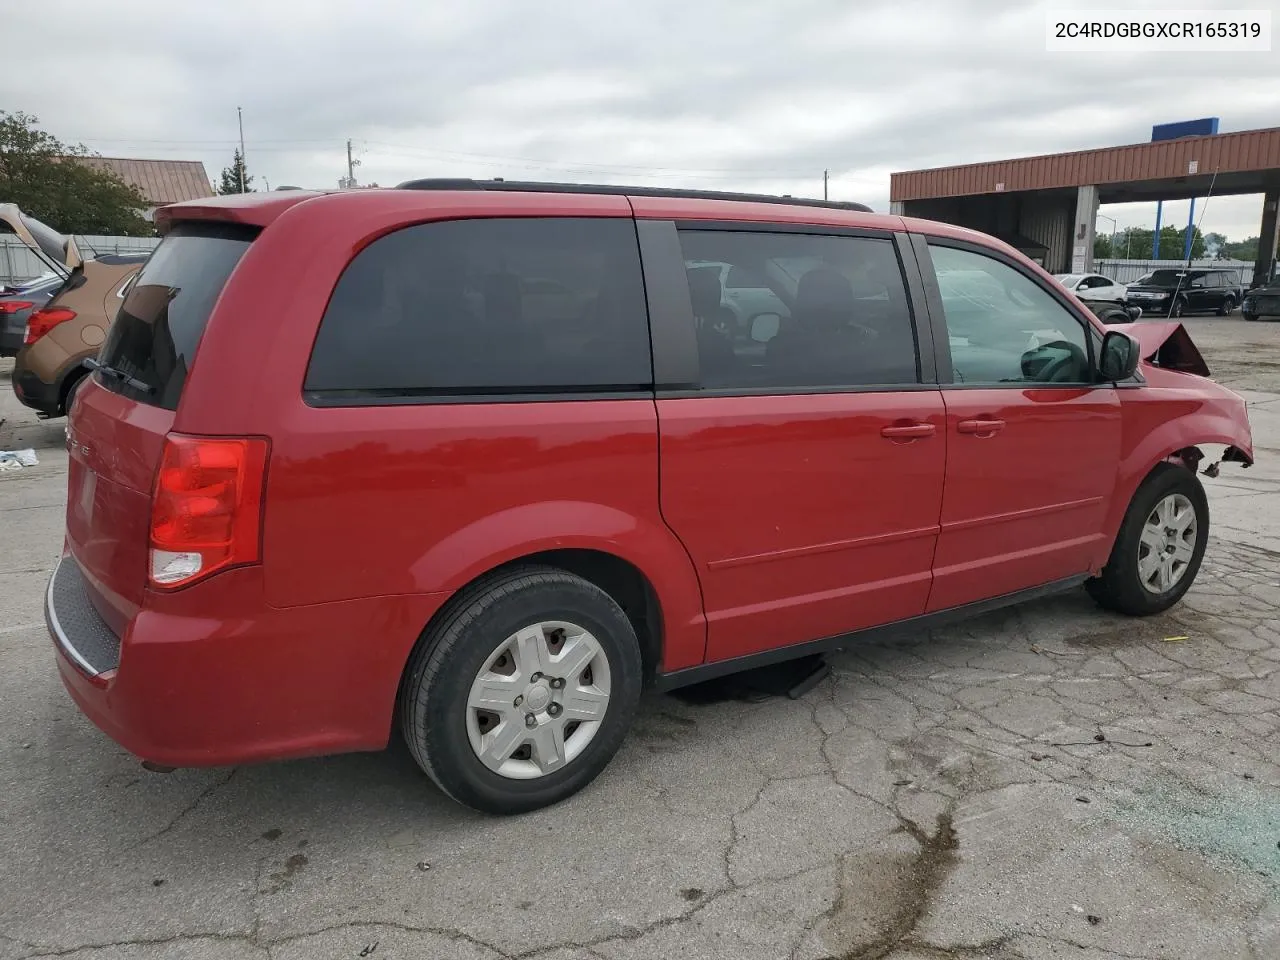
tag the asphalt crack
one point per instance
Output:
(190, 808)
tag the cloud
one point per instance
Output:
(735, 95)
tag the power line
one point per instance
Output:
(221, 140)
(727, 172)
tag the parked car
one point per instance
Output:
(17, 304)
(1177, 292)
(743, 293)
(1263, 301)
(61, 338)
(320, 490)
(1093, 287)
(12, 286)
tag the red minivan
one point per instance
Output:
(481, 460)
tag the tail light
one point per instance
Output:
(206, 511)
(15, 306)
(42, 321)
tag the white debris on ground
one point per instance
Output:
(17, 459)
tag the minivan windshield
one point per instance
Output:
(154, 338)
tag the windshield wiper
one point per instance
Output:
(120, 375)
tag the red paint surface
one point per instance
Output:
(803, 520)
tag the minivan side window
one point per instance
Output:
(1003, 327)
(803, 311)
(485, 308)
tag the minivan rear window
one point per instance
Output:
(155, 335)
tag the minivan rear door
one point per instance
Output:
(117, 426)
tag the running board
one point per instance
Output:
(901, 628)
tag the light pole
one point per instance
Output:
(1113, 232)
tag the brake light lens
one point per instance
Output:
(15, 306)
(42, 321)
(206, 511)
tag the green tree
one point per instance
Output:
(40, 174)
(1102, 247)
(235, 178)
(1246, 249)
(1135, 243)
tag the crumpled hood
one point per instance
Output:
(1168, 345)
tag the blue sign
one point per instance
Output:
(1184, 128)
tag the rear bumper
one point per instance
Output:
(12, 332)
(1264, 305)
(78, 631)
(34, 392)
(212, 676)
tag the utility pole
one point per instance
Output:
(240, 118)
(824, 183)
(351, 166)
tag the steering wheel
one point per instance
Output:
(1052, 371)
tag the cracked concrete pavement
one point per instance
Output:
(1047, 781)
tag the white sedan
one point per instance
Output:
(1093, 286)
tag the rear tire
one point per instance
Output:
(1157, 554)
(484, 653)
(1228, 307)
(69, 392)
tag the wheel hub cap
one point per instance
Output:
(538, 700)
(1167, 544)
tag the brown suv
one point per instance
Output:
(62, 338)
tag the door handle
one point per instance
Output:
(982, 426)
(908, 431)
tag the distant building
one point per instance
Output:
(161, 182)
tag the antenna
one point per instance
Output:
(1187, 266)
(240, 118)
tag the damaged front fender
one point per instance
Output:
(1172, 415)
(1169, 346)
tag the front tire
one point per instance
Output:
(1178, 308)
(1248, 316)
(1162, 540)
(520, 695)
(1227, 307)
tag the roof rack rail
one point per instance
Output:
(522, 186)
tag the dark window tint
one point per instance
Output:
(155, 335)
(475, 307)
(798, 311)
(1003, 327)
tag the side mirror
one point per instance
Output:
(764, 327)
(1119, 357)
(1134, 312)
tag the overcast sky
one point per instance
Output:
(726, 94)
